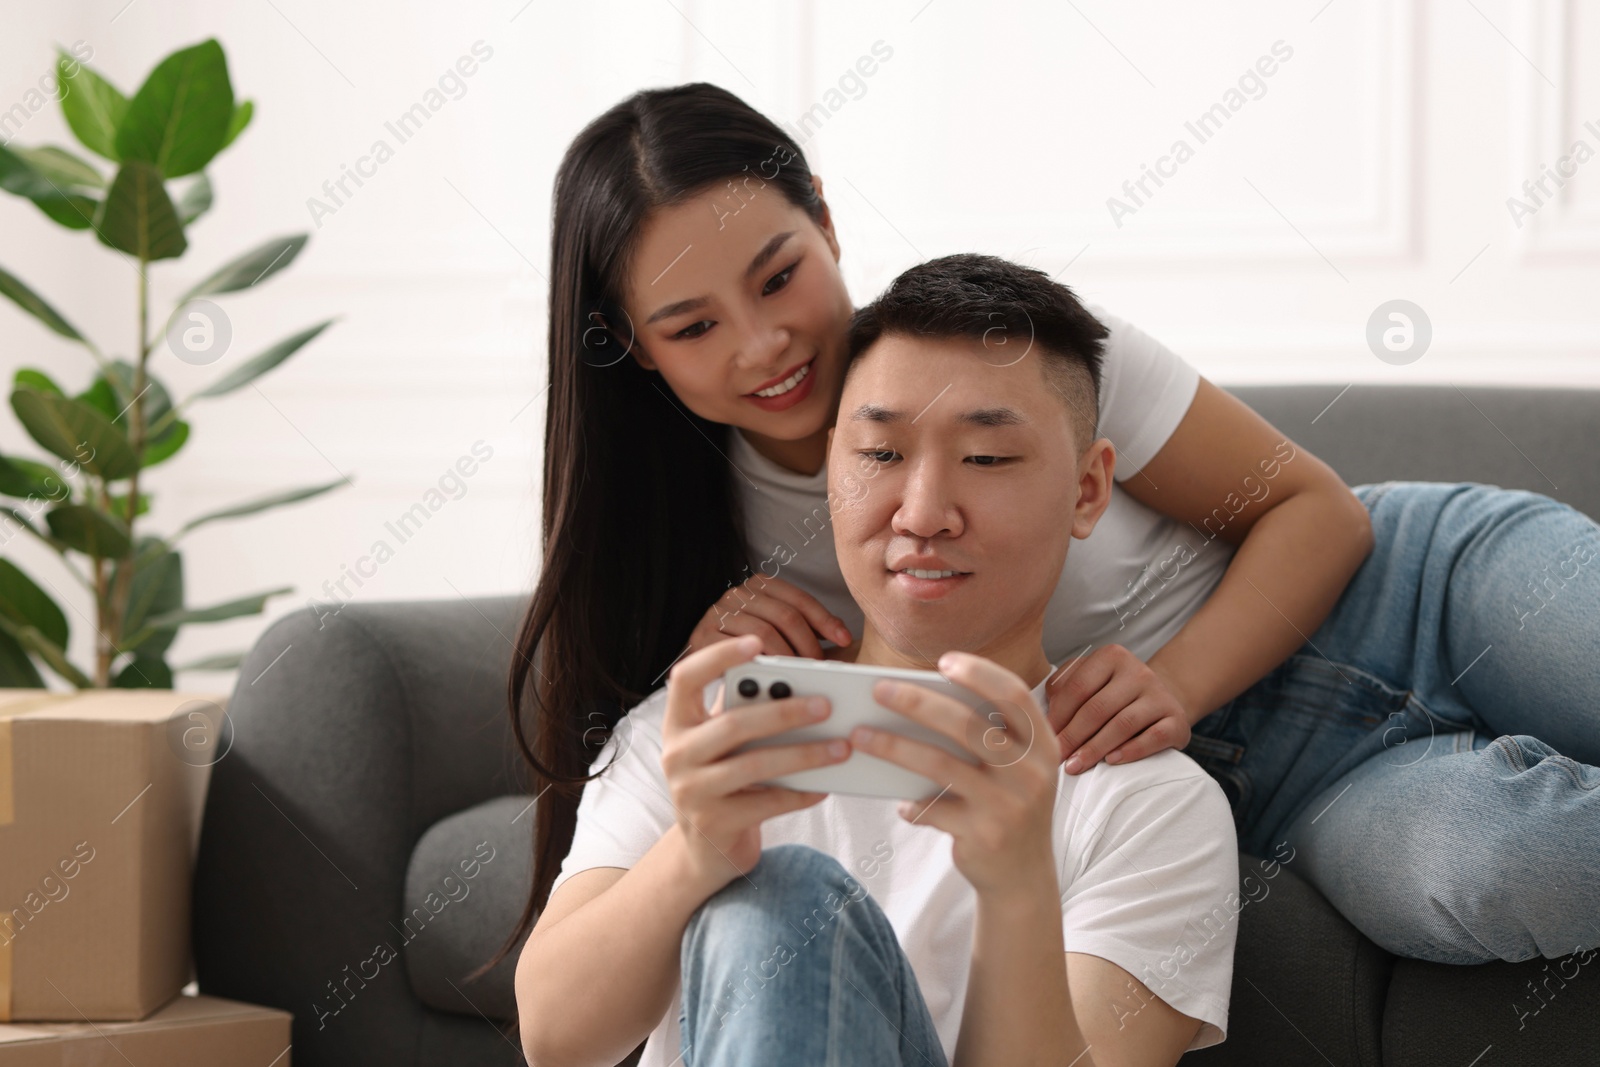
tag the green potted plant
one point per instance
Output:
(85, 498)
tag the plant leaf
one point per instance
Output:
(232, 609)
(61, 425)
(156, 400)
(26, 604)
(62, 204)
(28, 378)
(100, 397)
(89, 530)
(74, 211)
(62, 168)
(137, 216)
(144, 672)
(155, 589)
(257, 365)
(111, 393)
(27, 524)
(16, 669)
(23, 478)
(34, 305)
(242, 114)
(222, 661)
(92, 106)
(18, 176)
(53, 655)
(166, 446)
(254, 266)
(251, 507)
(118, 505)
(179, 118)
(195, 201)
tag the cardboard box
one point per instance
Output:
(101, 796)
(190, 1031)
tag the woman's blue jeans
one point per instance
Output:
(773, 973)
(1430, 754)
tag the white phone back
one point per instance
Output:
(849, 687)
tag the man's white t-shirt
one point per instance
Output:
(1134, 581)
(1146, 858)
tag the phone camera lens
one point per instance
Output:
(779, 690)
(749, 687)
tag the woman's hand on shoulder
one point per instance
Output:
(1113, 705)
(786, 618)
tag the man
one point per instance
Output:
(962, 463)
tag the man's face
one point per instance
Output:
(942, 459)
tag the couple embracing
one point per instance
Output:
(1036, 466)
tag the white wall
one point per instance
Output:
(1374, 163)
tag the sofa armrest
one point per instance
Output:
(352, 734)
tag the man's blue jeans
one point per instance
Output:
(772, 974)
(1430, 754)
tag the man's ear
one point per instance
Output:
(826, 222)
(1095, 483)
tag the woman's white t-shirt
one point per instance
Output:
(1146, 859)
(1134, 581)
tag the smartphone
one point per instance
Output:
(849, 687)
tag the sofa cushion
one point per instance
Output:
(466, 885)
(1537, 1011)
(1307, 986)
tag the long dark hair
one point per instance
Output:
(641, 527)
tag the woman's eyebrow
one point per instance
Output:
(768, 250)
(677, 309)
(762, 258)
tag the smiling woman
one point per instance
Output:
(744, 321)
(668, 308)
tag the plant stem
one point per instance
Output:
(102, 644)
(118, 607)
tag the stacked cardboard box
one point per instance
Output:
(188, 1031)
(101, 795)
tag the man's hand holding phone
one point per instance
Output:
(999, 811)
(720, 806)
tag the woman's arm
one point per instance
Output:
(594, 980)
(1300, 533)
(1299, 545)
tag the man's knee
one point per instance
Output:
(793, 894)
(800, 864)
(784, 876)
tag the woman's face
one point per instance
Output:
(735, 292)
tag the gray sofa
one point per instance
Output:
(367, 837)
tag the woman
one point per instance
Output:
(677, 318)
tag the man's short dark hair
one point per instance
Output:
(1010, 308)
